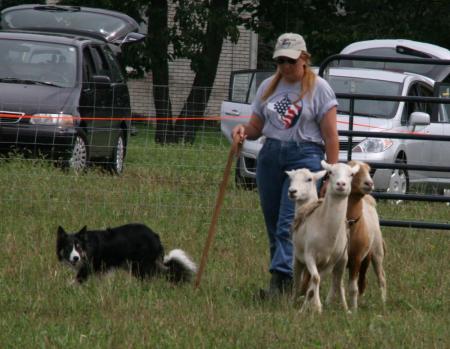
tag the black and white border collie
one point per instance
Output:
(134, 247)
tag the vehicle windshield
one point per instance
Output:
(37, 62)
(370, 108)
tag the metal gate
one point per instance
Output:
(351, 133)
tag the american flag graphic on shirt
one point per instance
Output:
(288, 111)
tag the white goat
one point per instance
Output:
(303, 188)
(320, 242)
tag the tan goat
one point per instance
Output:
(377, 251)
(366, 242)
(361, 237)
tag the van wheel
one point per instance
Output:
(399, 181)
(241, 182)
(118, 158)
(79, 159)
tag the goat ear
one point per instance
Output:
(367, 166)
(290, 173)
(319, 175)
(325, 165)
(355, 169)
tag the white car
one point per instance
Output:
(386, 79)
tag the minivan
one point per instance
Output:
(63, 94)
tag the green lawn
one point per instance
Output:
(173, 189)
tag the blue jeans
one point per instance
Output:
(274, 159)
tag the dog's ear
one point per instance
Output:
(60, 241)
(61, 233)
(82, 234)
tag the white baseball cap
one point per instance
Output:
(289, 45)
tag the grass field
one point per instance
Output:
(173, 189)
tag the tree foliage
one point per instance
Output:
(330, 25)
(205, 26)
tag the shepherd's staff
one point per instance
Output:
(234, 150)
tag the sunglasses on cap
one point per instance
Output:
(281, 60)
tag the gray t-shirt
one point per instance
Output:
(297, 122)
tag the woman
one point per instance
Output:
(296, 111)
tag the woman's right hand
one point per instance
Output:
(252, 130)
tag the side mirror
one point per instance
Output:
(101, 81)
(419, 118)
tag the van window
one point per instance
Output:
(444, 92)
(116, 73)
(245, 84)
(418, 90)
(375, 108)
(88, 68)
(65, 18)
(101, 64)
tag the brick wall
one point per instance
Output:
(242, 55)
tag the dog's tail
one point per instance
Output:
(179, 267)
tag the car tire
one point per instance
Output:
(79, 158)
(399, 181)
(118, 156)
(241, 182)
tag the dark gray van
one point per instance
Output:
(62, 92)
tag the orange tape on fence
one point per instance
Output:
(133, 118)
(193, 118)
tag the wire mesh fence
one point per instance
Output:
(169, 152)
(173, 163)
